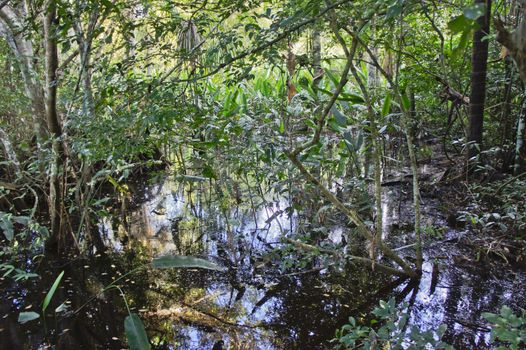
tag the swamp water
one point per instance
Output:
(267, 298)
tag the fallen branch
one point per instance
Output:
(354, 217)
(360, 259)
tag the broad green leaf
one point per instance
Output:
(177, 261)
(22, 220)
(339, 116)
(462, 44)
(51, 292)
(7, 226)
(351, 97)
(135, 333)
(459, 24)
(24, 317)
(208, 172)
(394, 10)
(474, 11)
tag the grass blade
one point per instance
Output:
(52, 290)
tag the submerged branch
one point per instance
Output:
(353, 216)
(360, 259)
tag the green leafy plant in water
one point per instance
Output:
(133, 326)
(508, 328)
(390, 331)
(16, 273)
(24, 317)
(51, 292)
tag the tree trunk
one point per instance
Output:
(479, 63)
(55, 130)
(10, 152)
(84, 40)
(316, 58)
(12, 28)
(520, 146)
(514, 42)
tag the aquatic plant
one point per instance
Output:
(508, 330)
(389, 330)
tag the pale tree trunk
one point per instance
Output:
(84, 40)
(519, 165)
(10, 152)
(12, 29)
(316, 58)
(515, 42)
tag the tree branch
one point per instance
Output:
(3, 3)
(267, 44)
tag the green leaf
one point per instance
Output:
(351, 97)
(405, 102)
(394, 10)
(135, 333)
(208, 172)
(459, 24)
(22, 220)
(51, 292)
(281, 126)
(24, 317)
(7, 226)
(339, 116)
(463, 43)
(178, 261)
(475, 11)
(387, 105)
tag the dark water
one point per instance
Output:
(269, 297)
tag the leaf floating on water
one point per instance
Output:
(177, 261)
(24, 317)
(62, 307)
(135, 333)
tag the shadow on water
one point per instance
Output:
(270, 297)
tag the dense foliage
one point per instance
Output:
(324, 103)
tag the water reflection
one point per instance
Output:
(268, 299)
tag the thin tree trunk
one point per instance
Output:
(406, 116)
(520, 146)
(477, 97)
(377, 155)
(316, 58)
(10, 152)
(55, 130)
(84, 40)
